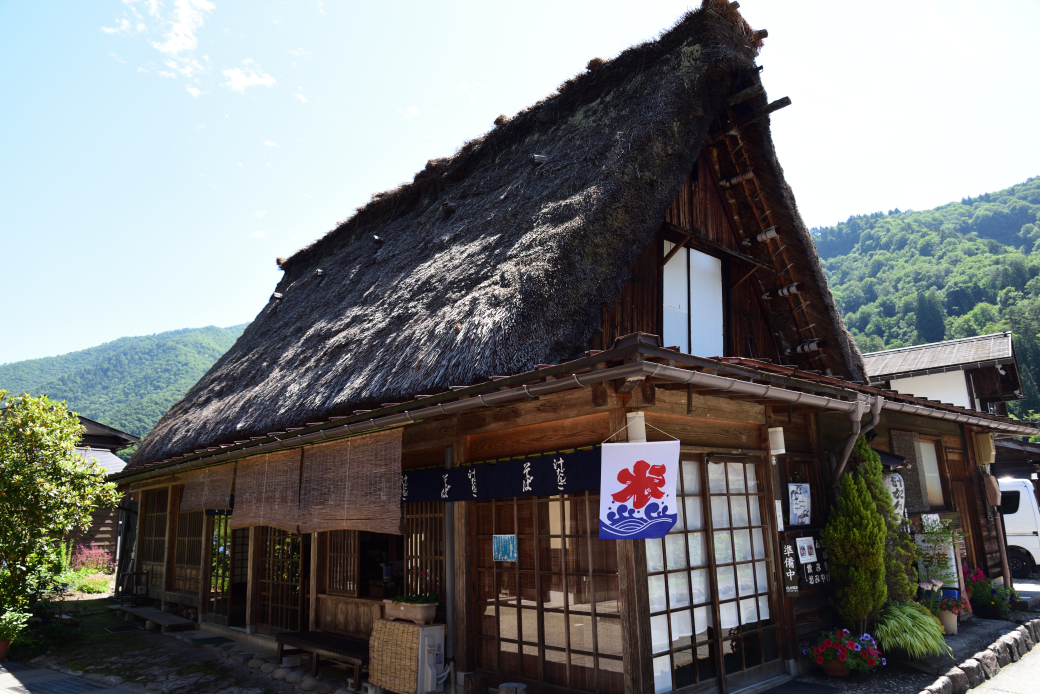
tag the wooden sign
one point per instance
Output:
(816, 571)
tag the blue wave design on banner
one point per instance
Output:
(630, 524)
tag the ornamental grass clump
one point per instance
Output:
(858, 653)
(910, 628)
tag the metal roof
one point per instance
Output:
(105, 458)
(936, 357)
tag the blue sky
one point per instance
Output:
(155, 157)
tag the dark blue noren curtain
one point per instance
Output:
(544, 475)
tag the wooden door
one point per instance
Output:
(280, 581)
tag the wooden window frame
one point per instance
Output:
(424, 547)
(585, 530)
(943, 468)
(342, 552)
(279, 599)
(741, 632)
(187, 557)
(218, 598)
(154, 528)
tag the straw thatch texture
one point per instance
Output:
(353, 484)
(393, 655)
(208, 488)
(491, 262)
(267, 491)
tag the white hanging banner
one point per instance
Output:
(637, 490)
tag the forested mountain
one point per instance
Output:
(128, 383)
(966, 268)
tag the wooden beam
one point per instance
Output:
(742, 96)
(314, 582)
(675, 249)
(205, 569)
(697, 239)
(172, 506)
(629, 384)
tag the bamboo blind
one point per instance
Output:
(208, 488)
(394, 649)
(268, 491)
(187, 562)
(353, 484)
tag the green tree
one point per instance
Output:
(46, 489)
(930, 323)
(855, 540)
(900, 551)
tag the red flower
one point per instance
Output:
(848, 644)
(841, 656)
(826, 643)
(819, 660)
(870, 662)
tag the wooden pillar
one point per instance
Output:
(316, 550)
(206, 564)
(634, 594)
(465, 512)
(136, 563)
(251, 576)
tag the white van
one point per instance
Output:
(1021, 517)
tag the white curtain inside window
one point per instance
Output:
(675, 298)
(930, 463)
(705, 305)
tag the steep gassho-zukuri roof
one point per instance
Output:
(939, 355)
(490, 262)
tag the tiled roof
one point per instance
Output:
(939, 355)
(110, 462)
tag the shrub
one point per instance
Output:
(855, 541)
(11, 624)
(94, 584)
(859, 653)
(910, 628)
(92, 558)
(900, 551)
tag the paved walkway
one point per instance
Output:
(1017, 678)
(18, 678)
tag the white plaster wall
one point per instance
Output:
(946, 387)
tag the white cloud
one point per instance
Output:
(301, 97)
(411, 112)
(167, 73)
(194, 91)
(178, 26)
(321, 7)
(260, 214)
(239, 80)
(299, 52)
(268, 143)
(259, 234)
(115, 57)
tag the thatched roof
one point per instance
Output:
(490, 261)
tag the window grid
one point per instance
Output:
(187, 563)
(342, 566)
(712, 569)
(278, 601)
(553, 615)
(424, 547)
(220, 567)
(153, 534)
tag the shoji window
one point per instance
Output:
(930, 462)
(692, 302)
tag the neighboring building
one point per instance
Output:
(976, 373)
(100, 443)
(442, 368)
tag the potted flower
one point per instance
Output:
(838, 652)
(11, 623)
(987, 601)
(419, 607)
(949, 608)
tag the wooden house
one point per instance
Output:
(441, 368)
(99, 444)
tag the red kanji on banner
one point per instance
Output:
(642, 483)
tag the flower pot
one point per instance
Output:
(420, 613)
(833, 668)
(949, 622)
(5, 645)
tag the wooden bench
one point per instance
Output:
(350, 650)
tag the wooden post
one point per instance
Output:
(634, 594)
(206, 564)
(136, 565)
(315, 580)
(465, 511)
(251, 575)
